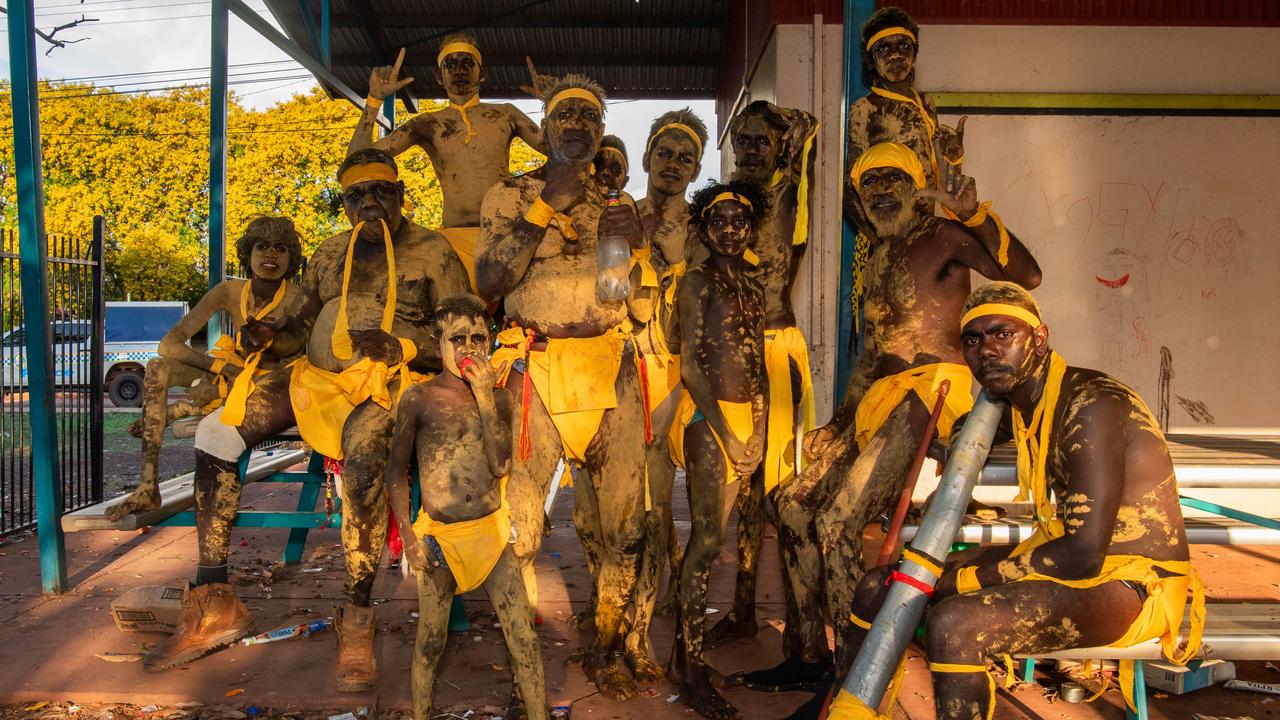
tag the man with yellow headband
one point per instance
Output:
(773, 147)
(378, 286)
(468, 141)
(273, 317)
(918, 278)
(459, 428)
(1108, 564)
(567, 360)
(719, 431)
(611, 166)
(894, 111)
(672, 159)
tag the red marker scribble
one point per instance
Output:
(1118, 282)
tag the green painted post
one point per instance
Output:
(389, 112)
(326, 25)
(856, 12)
(217, 153)
(34, 266)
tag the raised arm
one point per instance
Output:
(495, 416)
(173, 346)
(995, 254)
(856, 144)
(404, 436)
(384, 82)
(526, 129)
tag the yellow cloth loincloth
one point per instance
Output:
(663, 373)
(322, 400)
(463, 240)
(737, 414)
(887, 393)
(574, 378)
(470, 547)
(780, 348)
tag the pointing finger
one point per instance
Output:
(395, 69)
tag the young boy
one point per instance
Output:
(461, 430)
(273, 318)
(718, 436)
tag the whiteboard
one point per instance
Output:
(1152, 233)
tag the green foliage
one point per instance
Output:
(142, 162)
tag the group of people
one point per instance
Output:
(385, 358)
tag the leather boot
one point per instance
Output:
(212, 618)
(357, 667)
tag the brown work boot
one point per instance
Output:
(212, 618)
(357, 667)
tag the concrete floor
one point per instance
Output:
(48, 644)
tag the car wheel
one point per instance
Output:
(125, 389)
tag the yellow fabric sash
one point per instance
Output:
(238, 396)
(322, 400)
(800, 233)
(663, 371)
(643, 258)
(341, 338)
(574, 378)
(470, 547)
(930, 126)
(780, 347)
(736, 414)
(466, 121)
(887, 393)
(463, 241)
(980, 216)
(1032, 441)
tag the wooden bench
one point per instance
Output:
(1246, 631)
(266, 465)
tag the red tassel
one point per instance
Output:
(644, 396)
(525, 448)
(394, 542)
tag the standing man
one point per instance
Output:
(918, 281)
(469, 142)
(773, 148)
(563, 360)
(378, 286)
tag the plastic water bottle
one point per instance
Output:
(613, 253)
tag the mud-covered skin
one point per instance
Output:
(465, 170)
(671, 164)
(549, 285)
(917, 282)
(760, 150)
(178, 365)
(722, 330)
(461, 433)
(1109, 468)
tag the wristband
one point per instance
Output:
(375, 102)
(979, 216)
(957, 161)
(408, 350)
(217, 366)
(540, 213)
(967, 580)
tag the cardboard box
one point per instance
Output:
(153, 608)
(1180, 680)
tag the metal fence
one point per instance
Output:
(75, 343)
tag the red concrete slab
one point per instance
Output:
(48, 646)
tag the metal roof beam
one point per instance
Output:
(547, 60)
(445, 24)
(371, 22)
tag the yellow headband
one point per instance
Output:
(610, 148)
(458, 47)
(574, 92)
(1013, 311)
(890, 31)
(726, 196)
(366, 172)
(888, 154)
(697, 142)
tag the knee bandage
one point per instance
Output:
(218, 438)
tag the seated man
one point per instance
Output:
(918, 278)
(469, 142)
(378, 286)
(718, 435)
(273, 318)
(1108, 564)
(460, 430)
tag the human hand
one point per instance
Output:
(255, 334)
(819, 440)
(964, 202)
(951, 142)
(946, 585)
(478, 373)
(563, 187)
(621, 220)
(385, 80)
(378, 345)
(415, 552)
(539, 85)
(744, 458)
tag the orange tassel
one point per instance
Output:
(525, 447)
(644, 395)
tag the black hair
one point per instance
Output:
(614, 142)
(684, 116)
(758, 108)
(461, 305)
(885, 18)
(749, 190)
(267, 227)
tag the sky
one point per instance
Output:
(139, 45)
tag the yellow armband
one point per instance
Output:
(217, 366)
(967, 580)
(540, 213)
(408, 350)
(373, 101)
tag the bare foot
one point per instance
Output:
(135, 428)
(643, 666)
(146, 497)
(707, 702)
(515, 707)
(586, 617)
(609, 677)
(731, 628)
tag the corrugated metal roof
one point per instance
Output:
(1092, 12)
(634, 48)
